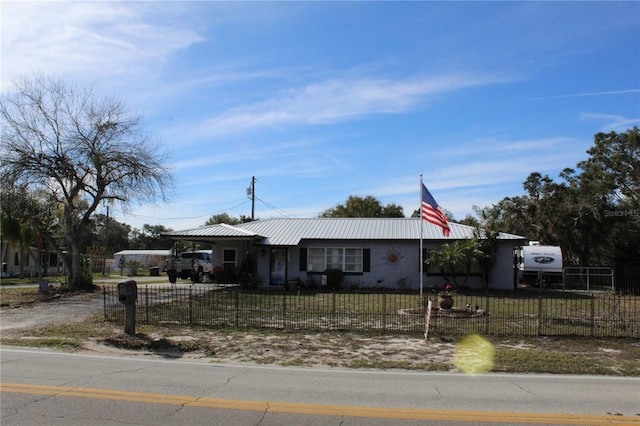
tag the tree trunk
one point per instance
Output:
(72, 235)
(75, 274)
(21, 263)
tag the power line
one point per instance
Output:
(190, 217)
(272, 207)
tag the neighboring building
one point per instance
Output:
(23, 262)
(371, 252)
(147, 258)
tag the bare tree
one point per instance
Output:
(82, 150)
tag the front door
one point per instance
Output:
(278, 274)
(229, 263)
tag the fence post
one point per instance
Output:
(540, 319)
(104, 302)
(613, 281)
(593, 315)
(486, 316)
(237, 303)
(334, 318)
(384, 311)
(190, 305)
(146, 304)
(284, 310)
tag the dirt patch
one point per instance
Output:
(308, 350)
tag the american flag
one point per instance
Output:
(432, 212)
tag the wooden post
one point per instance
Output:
(128, 294)
(130, 318)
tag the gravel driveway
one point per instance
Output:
(59, 310)
(69, 309)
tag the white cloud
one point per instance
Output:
(579, 95)
(338, 100)
(96, 39)
(612, 122)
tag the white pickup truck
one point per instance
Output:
(195, 265)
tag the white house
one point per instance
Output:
(20, 261)
(372, 252)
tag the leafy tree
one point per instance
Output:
(455, 259)
(564, 213)
(22, 215)
(150, 238)
(469, 220)
(80, 150)
(612, 172)
(111, 233)
(368, 206)
(225, 218)
(105, 237)
(615, 158)
(592, 211)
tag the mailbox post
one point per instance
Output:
(127, 294)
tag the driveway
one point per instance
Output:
(60, 310)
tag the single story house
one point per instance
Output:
(19, 261)
(371, 252)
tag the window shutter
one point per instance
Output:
(303, 259)
(366, 260)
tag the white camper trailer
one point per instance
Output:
(539, 262)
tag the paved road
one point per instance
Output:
(48, 388)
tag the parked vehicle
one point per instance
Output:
(535, 261)
(195, 265)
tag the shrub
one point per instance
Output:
(334, 278)
(133, 266)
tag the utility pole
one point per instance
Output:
(253, 198)
(106, 244)
(252, 191)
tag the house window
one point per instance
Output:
(352, 260)
(345, 259)
(316, 259)
(335, 258)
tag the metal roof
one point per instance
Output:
(211, 232)
(289, 232)
(143, 252)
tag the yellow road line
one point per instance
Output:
(326, 410)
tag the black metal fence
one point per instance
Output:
(517, 313)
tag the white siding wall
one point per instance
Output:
(385, 272)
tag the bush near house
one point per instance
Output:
(334, 278)
(133, 268)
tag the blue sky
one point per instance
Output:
(323, 100)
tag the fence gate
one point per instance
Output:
(589, 278)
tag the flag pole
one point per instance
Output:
(420, 256)
(427, 313)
